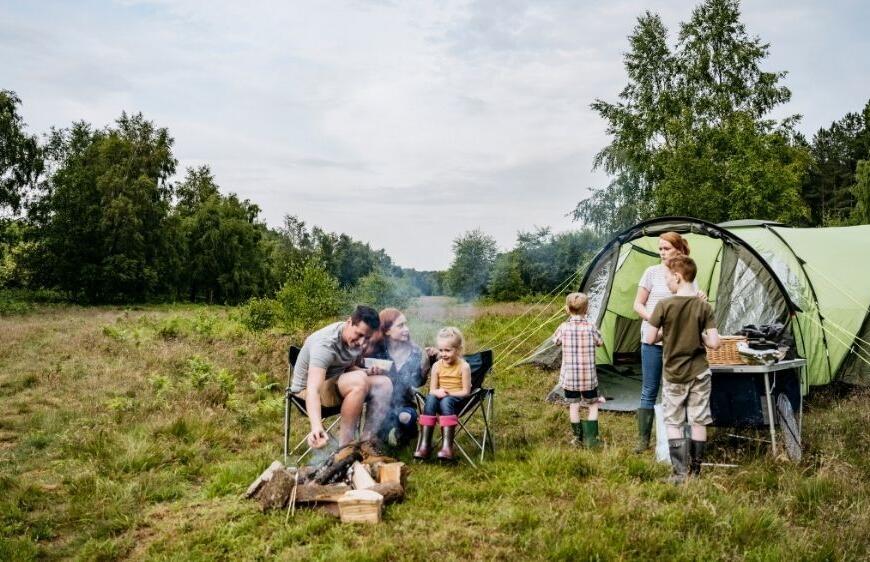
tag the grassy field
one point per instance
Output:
(130, 433)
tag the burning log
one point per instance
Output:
(336, 466)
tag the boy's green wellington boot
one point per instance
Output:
(590, 434)
(679, 449)
(696, 450)
(577, 430)
(645, 419)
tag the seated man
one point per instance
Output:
(325, 376)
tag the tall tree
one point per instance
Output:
(473, 256)
(836, 152)
(21, 161)
(704, 102)
(226, 260)
(103, 212)
(861, 192)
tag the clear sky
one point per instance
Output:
(401, 123)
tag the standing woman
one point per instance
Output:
(651, 289)
(410, 371)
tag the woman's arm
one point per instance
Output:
(640, 303)
(421, 377)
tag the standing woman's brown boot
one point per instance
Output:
(645, 419)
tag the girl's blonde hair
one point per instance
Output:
(457, 340)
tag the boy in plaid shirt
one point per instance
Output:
(578, 338)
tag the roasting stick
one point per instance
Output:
(291, 509)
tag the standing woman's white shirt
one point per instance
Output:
(654, 280)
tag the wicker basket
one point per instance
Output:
(727, 352)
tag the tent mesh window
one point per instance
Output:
(747, 293)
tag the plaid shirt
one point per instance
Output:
(578, 338)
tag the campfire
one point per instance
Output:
(354, 483)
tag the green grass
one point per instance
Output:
(131, 434)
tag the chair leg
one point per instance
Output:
(460, 425)
(286, 424)
(304, 441)
(487, 437)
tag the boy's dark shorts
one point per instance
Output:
(583, 397)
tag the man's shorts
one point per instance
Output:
(690, 401)
(329, 395)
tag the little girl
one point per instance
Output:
(450, 383)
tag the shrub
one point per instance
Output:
(381, 290)
(213, 386)
(308, 297)
(259, 314)
(170, 329)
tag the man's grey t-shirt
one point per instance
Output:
(324, 348)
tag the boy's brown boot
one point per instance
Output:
(679, 449)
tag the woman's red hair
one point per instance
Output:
(679, 243)
(387, 316)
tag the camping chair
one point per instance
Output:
(480, 399)
(292, 401)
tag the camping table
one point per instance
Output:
(766, 370)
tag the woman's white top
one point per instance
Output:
(655, 281)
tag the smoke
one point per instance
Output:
(318, 457)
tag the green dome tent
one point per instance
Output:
(816, 280)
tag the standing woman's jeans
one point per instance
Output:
(447, 406)
(651, 366)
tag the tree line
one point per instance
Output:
(94, 215)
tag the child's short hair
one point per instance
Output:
(685, 266)
(577, 303)
(457, 341)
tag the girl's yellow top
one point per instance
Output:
(450, 376)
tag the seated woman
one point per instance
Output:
(409, 371)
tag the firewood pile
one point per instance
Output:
(355, 483)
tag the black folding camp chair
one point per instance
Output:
(292, 401)
(480, 400)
